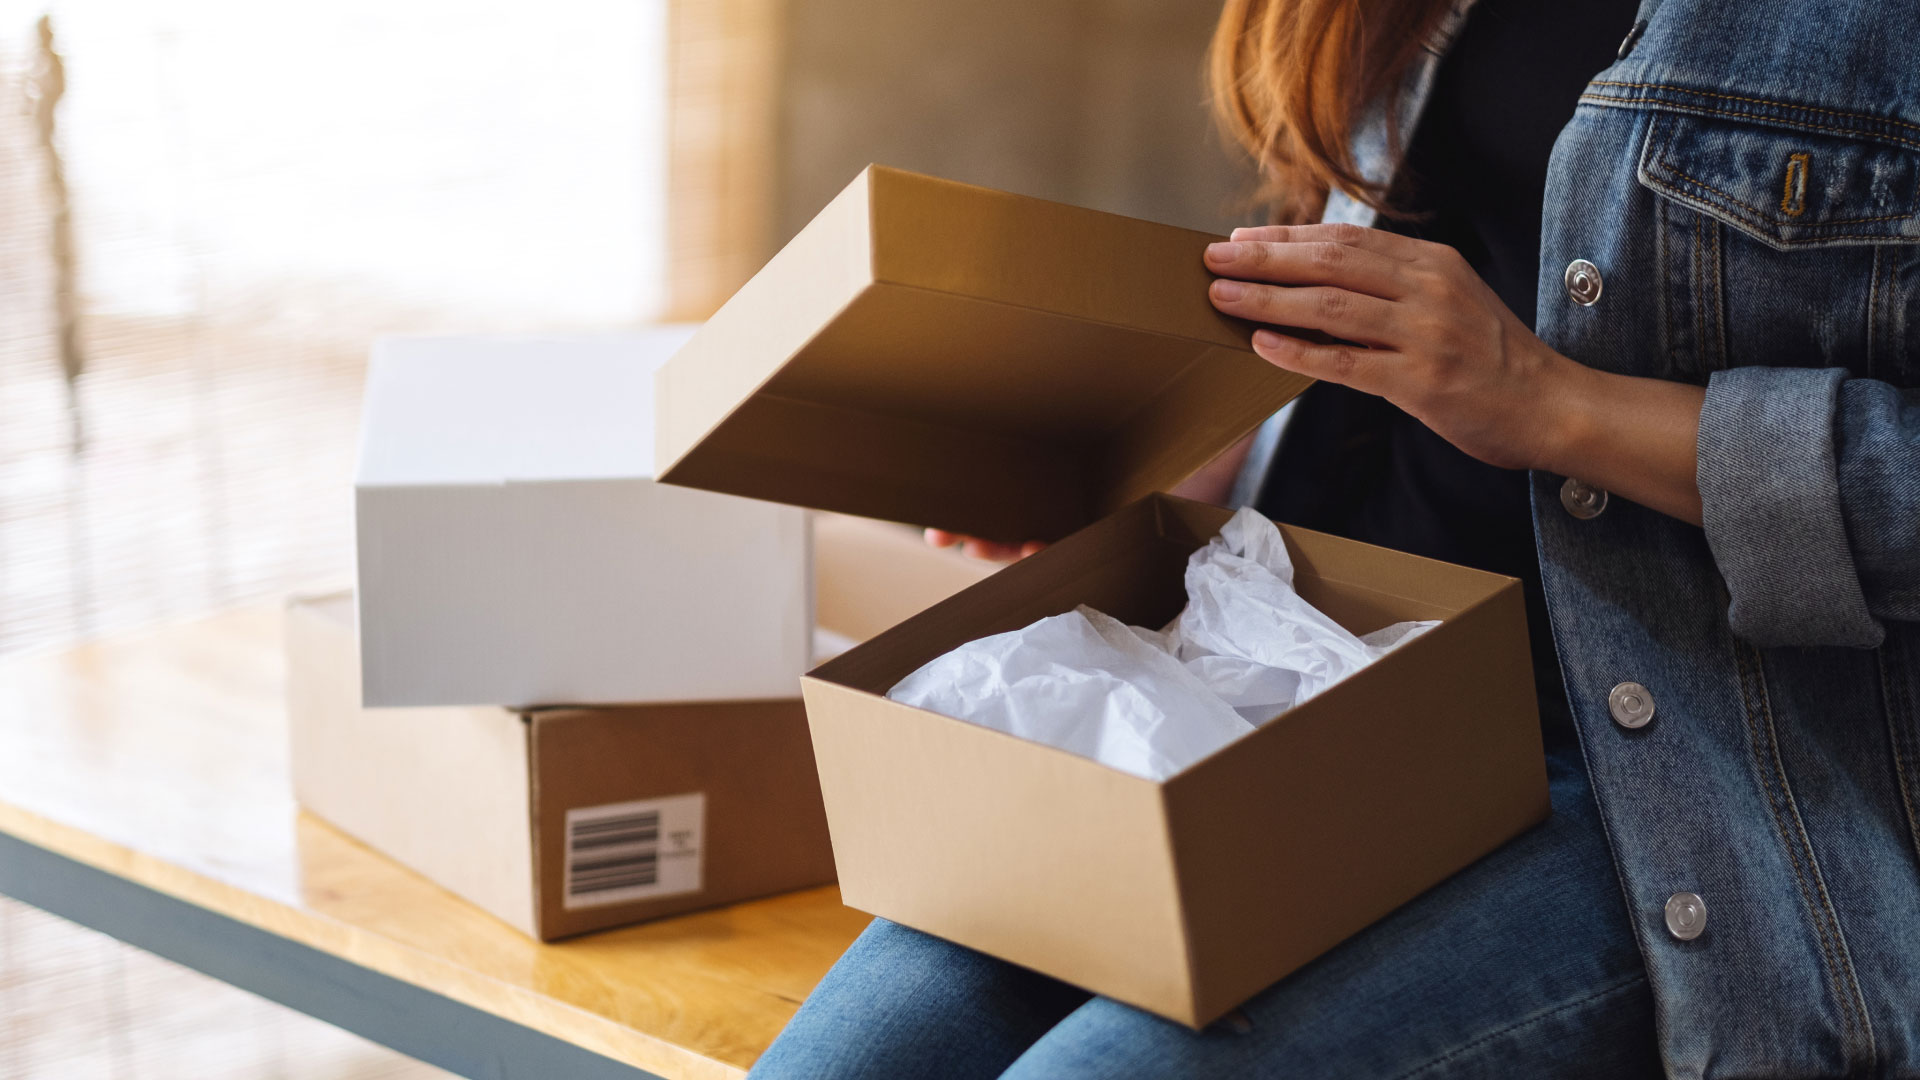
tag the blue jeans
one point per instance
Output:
(1522, 965)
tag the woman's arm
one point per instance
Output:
(1806, 480)
(1432, 338)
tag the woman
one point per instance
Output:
(1709, 214)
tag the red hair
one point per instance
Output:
(1290, 78)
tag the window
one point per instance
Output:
(256, 190)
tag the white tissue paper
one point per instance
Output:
(1246, 649)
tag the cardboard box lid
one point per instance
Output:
(935, 353)
(493, 409)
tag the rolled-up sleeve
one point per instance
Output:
(1810, 490)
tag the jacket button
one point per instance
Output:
(1686, 915)
(1582, 499)
(1631, 705)
(1583, 282)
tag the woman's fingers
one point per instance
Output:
(995, 551)
(1391, 245)
(1369, 370)
(1314, 262)
(1354, 316)
(986, 550)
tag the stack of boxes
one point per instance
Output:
(574, 696)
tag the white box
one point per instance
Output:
(514, 550)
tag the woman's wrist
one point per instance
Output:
(1635, 437)
(1564, 406)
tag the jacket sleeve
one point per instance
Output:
(1810, 488)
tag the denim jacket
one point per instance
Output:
(1736, 204)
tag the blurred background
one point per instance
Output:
(208, 208)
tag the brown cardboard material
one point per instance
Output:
(946, 355)
(479, 799)
(942, 355)
(1185, 897)
(870, 575)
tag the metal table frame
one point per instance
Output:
(416, 1022)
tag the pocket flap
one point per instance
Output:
(1787, 188)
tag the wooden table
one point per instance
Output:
(144, 793)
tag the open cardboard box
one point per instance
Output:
(1185, 897)
(945, 355)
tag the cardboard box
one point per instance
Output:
(514, 550)
(1185, 897)
(945, 355)
(871, 575)
(1018, 369)
(559, 821)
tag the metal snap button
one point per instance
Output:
(1632, 39)
(1631, 705)
(1583, 282)
(1582, 499)
(1686, 915)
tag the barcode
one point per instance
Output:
(632, 851)
(617, 853)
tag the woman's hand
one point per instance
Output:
(1428, 335)
(987, 550)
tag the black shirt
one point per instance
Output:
(1474, 178)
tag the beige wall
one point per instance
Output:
(1097, 102)
(777, 104)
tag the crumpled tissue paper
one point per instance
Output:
(1246, 649)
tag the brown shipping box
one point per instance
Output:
(940, 354)
(558, 821)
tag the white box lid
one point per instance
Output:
(496, 409)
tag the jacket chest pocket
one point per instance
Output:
(1785, 248)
